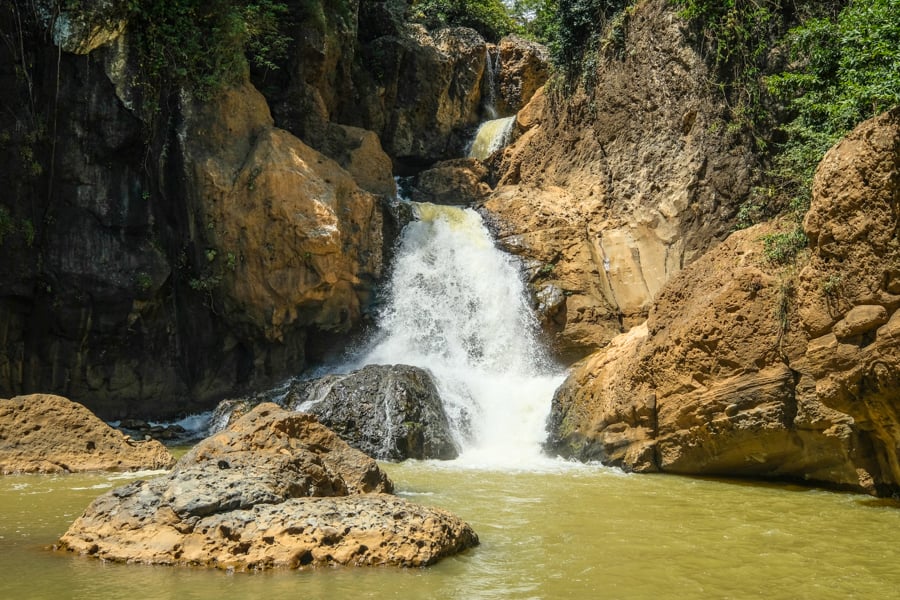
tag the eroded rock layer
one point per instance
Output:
(42, 433)
(747, 369)
(277, 489)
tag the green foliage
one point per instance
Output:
(7, 224)
(536, 19)
(847, 70)
(735, 36)
(200, 45)
(783, 248)
(197, 45)
(579, 25)
(490, 18)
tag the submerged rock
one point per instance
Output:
(277, 489)
(42, 433)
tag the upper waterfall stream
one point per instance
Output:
(456, 305)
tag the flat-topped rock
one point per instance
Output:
(42, 433)
(277, 489)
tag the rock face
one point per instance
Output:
(49, 434)
(617, 187)
(522, 67)
(157, 267)
(745, 370)
(428, 94)
(289, 236)
(276, 490)
(389, 412)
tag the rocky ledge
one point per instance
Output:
(42, 433)
(277, 489)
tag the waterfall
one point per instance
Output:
(490, 76)
(491, 136)
(457, 307)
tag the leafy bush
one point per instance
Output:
(848, 70)
(196, 45)
(490, 18)
(579, 24)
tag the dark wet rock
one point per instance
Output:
(390, 412)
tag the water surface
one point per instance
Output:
(557, 531)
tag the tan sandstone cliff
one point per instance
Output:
(613, 188)
(746, 369)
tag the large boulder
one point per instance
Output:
(390, 412)
(522, 67)
(623, 180)
(460, 182)
(42, 433)
(290, 241)
(743, 369)
(277, 489)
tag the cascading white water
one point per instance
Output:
(491, 136)
(457, 307)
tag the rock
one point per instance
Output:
(461, 182)
(427, 93)
(522, 68)
(859, 320)
(42, 433)
(745, 370)
(85, 31)
(278, 489)
(359, 152)
(390, 412)
(623, 183)
(307, 260)
(532, 114)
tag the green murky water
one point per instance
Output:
(565, 532)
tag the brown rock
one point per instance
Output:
(650, 179)
(532, 114)
(522, 68)
(41, 433)
(859, 320)
(462, 181)
(276, 490)
(752, 372)
(291, 238)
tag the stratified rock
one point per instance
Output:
(391, 412)
(746, 370)
(460, 182)
(522, 67)
(276, 490)
(622, 181)
(42, 433)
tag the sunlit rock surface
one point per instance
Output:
(747, 369)
(277, 489)
(41, 433)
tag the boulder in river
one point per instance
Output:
(42, 433)
(390, 412)
(277, 489)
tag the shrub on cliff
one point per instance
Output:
(490, 18)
